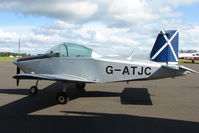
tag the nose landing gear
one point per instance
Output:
(34, 88)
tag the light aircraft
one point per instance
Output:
(77, 64)
(189, 56)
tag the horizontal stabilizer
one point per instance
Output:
(182, 68)
(188, 69)
(174, 67)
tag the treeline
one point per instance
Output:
(7, 54)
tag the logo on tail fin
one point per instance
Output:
(165, 48)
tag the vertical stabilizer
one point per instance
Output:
(165, 49)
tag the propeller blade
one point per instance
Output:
(18, 70)
(17, 82)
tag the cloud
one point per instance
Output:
(108, 26)
(94, 35)
(59, 9)
(190, 38)
(112, 12)
(8, 37)
(105, 40)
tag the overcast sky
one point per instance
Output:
(107, 26)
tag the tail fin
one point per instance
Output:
(165, 49)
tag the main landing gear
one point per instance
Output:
(81, 87)
(63, 98)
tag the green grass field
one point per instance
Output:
(7, 59)
(187, 61)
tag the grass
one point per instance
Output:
(7, 59)
(187, 61)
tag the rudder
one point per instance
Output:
(165, 49)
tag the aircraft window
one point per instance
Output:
(63, 50)
(197, 54)
(75, 50)
(54, 50)
(70, 49)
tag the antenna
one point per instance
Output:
(19, 48)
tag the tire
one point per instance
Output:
(62, 98)
(33, 90)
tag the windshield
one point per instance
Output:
(71, 50)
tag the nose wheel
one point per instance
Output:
(34, 88)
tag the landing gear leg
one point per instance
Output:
(81, 87)
(62, 97)
(33, 89)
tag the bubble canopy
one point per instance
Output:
(71, 50)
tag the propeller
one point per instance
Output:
(18, 72)
(18, 69)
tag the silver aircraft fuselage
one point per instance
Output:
(97, 70)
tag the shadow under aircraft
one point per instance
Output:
(16, 117)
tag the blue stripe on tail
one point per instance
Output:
(161, 51)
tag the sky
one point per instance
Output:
(108, 26)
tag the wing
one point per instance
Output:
(56, 77)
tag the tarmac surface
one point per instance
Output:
(165, 105)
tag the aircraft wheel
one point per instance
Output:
(33, 90)
(62, 98)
